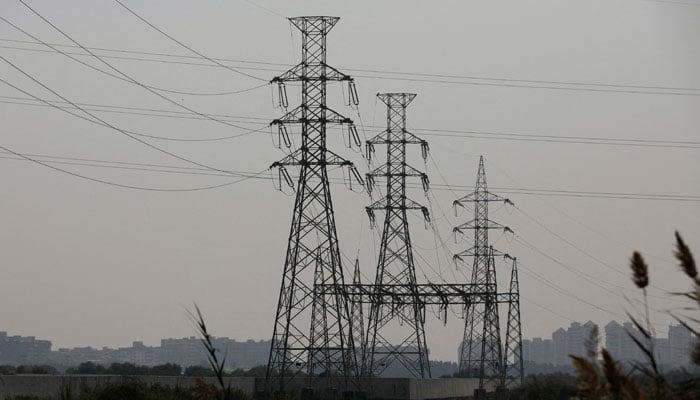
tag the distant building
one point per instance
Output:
(680, 341)
(671, 353)
(560, 344)
(619, 342)
(184, 352)
(23, 350)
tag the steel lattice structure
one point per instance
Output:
(312, 330)
(358, 319)
(481, 354)
(513, 373)
(396, 265)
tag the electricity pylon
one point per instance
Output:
(312, 330)
(514, 372)
(357, 315)
(396, 265)
(481, 354)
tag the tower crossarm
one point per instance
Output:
(296, 159)
(407, 171)
(317, 71)
(302, 114)
(480, 197)
(385, 138)
(480, 224)
(479, 252)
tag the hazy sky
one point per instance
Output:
(85, 263)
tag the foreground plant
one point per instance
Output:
(608, 381)
(202, 390)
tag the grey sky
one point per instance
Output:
(89, 264)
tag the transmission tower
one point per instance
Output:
(395, 265)
(481, 354)
(513, 358)
(357, 314)
(312, 330)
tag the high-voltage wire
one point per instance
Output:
(438, 78)
(471, 134)
(144, 20)
(123, 74)
(101, 121)
(54, 48)
(150, 167)
(122, 185)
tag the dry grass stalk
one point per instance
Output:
(590, 384)
(613, 374)
(619, 385)
(640, 270)
(685, 257)
(610, 383)
(203, 390)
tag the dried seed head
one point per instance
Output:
(640, 271)
(588, 380)
(611, 370)
(685, 257)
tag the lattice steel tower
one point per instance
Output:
(514, 372)
(481, 354)
(395, 265)
(312, 330)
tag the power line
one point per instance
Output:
(135, 113)
(155, 112)
(53, 104)
(557, 139)
(577, 248)
(434, 186)
(440, 78)
(568, 293)
(132, 166)
(590, 278)
(549, 87)
(132, 58)
(121, 185)
(144, 20)
(682, 3)
(471, 134)
(572, 193)
(586, 226)
(54, 48)
(100, 123)
(118, 71)
(105, 123)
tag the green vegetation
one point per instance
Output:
(91, 368)
(28, 369)
(546, 387)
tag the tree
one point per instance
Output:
(198, 370)
(87, 368)
(168, 369)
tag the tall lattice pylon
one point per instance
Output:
(312, 330)
(405, 343)
(358, 318)
(481, 354)
(514, 372)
